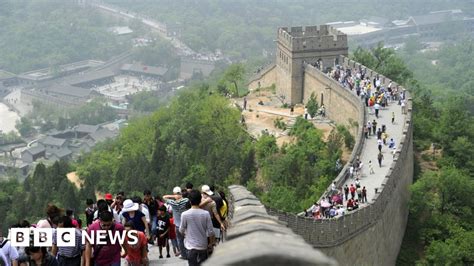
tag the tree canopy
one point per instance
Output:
(43, 34)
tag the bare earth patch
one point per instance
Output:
(74, 178)
(261, 117)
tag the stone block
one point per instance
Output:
(252, 215)
(267, 248)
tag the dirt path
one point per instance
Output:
(74, 178)
(263, 108)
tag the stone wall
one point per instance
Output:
(341, 106)
(373, 234)
(265, 78)
(256, 238)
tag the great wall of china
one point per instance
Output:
(371, 235)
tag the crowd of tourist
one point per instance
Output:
(376, 97)
(187, 222)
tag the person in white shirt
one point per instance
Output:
(8, 253)
(196, 226)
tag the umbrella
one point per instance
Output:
(325, 204)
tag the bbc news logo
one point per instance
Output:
(66, 237)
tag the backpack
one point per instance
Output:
(223, 211)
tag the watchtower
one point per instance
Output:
(296, 46)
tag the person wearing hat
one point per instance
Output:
(208, 204)
(131, 212)
(178, 204)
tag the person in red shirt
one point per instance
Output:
(352, 189)
(137, 254)
(350, 204)
(172, 237)
(108, 254)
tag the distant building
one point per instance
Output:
(17, 166)
(62, 154)
(39, 76)
(157, 72)
(120, 30)
(62, 95)
(191, 66)
(7, 79)
(90, 79)
(434, 26)
(80, 146)
(32, 154)
(83, 130)
(102, 135)
(52, 144)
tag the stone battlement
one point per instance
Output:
(311, 38)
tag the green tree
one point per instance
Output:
(312, 105)
(25, 127)
(383, 61)
(234, 74)
(349, 140)
(412, 45)
(442, 202)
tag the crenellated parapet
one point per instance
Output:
(312, 38)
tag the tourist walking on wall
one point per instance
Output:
(364, 194)
(384, 137)
(108, 254)
(196, 225)
(359, 194)
(178, 204)
(162, 231)
(371, 168)
(380, 158)
(7, 251)
(352, 189)
(379, 144)
(131, 212)
(403, 104)
(377, 108)
(136, 254)
(379, 133)
(346, 192)
(374, 126)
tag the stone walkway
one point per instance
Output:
(153, 255)
(370, 149)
